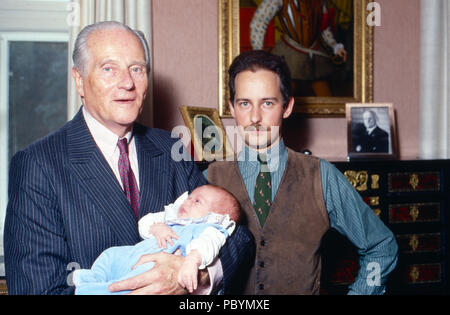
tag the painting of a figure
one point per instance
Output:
(314, 36)
(327, 44)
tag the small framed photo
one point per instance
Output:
(207, 133)
(371, 132)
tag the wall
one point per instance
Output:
(186, 71)
(185, 57)
(397, 68)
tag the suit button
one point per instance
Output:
(261, 286)
(261, 264)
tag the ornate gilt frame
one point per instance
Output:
(189, 114)
(228, 33)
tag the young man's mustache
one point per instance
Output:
(258, 127)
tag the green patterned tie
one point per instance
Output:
(263, 191)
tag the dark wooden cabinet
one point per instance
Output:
(412, 199)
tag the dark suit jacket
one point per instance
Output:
(66, 206)
(377, 141)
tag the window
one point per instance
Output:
(33, 80)
(37, 93)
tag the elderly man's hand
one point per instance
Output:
(161, 279)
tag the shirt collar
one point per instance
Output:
(105, 139)
(369, 130)
(274, 155)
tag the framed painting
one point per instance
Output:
(371, 131)
(208, 135)
(323, 78)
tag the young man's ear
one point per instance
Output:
(289, 108)
(78, 78)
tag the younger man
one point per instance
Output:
(289, 199)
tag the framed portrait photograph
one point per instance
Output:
(208, 136)
(327, 44)
(371, 131)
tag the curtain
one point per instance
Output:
(135, 13)
(434, 137)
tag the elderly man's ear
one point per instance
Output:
(78, 78)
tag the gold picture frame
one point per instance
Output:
(229, 48)
(371, 131)
(207, 133)
(3, 288)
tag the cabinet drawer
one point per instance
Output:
(345, 271)
(423, 273)
(414, 212)
(419, 243)
(414, 181)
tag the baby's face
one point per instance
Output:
(199, 203)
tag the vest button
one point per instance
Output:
(261, 286)
(261, 264)
(263, 243)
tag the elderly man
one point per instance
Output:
(83, 188)
(369, 137)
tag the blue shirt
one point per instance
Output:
(347, 212)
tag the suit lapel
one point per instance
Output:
(98, 180)
(152, 166)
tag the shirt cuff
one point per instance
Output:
(215, 272)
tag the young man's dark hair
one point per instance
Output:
(260, 59)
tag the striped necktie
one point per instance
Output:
(263, 190)
(127, 176)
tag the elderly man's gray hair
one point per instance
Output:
(80, 54)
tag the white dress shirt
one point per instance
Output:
(369, 130)
(106, 141)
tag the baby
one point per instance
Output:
(195, 225)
